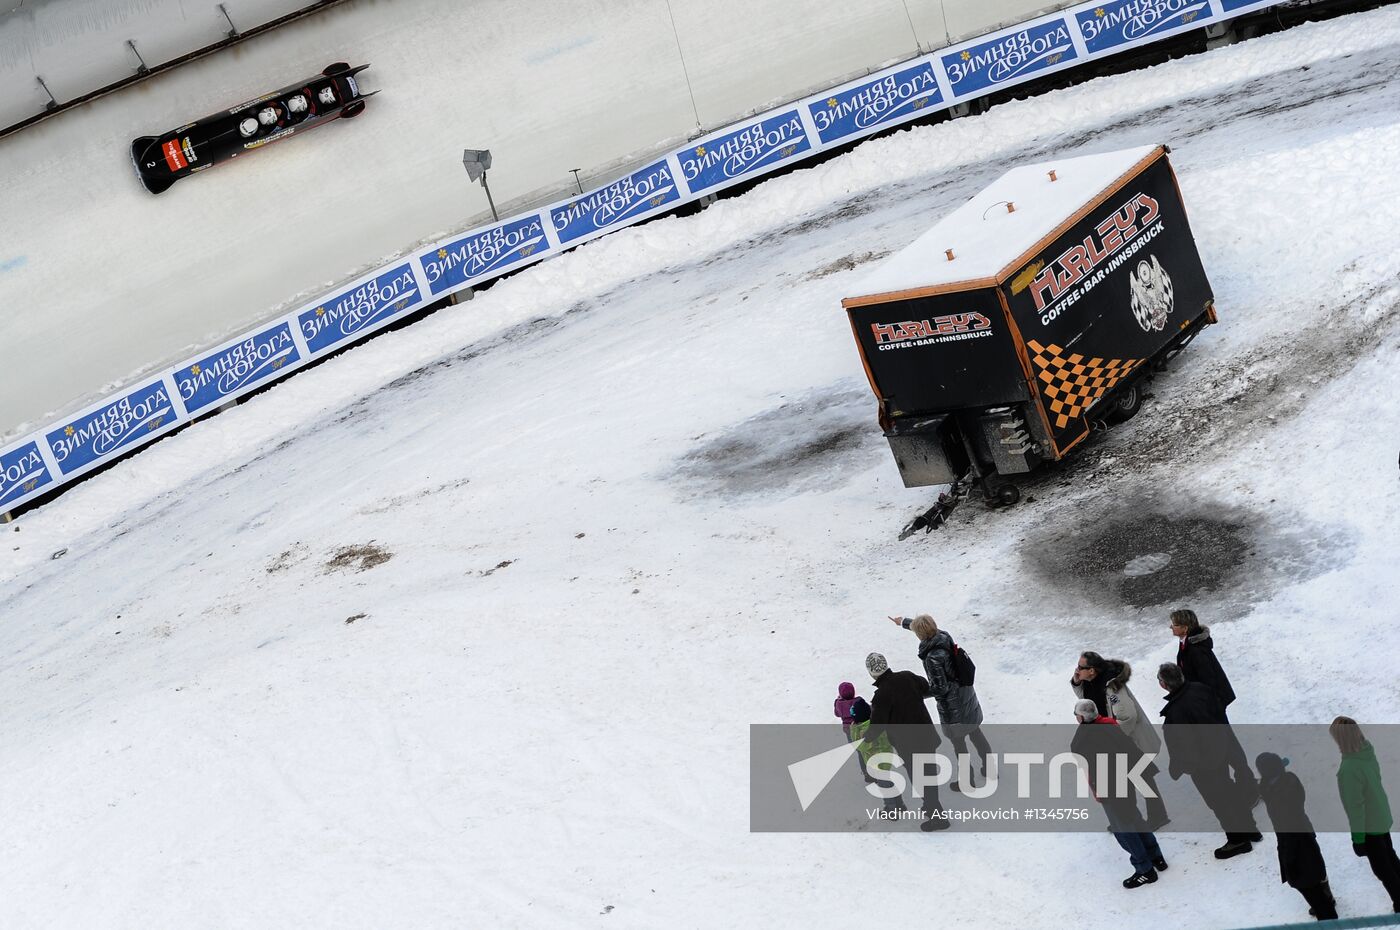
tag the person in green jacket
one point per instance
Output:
(1367, 807)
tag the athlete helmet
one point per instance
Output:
(327, 95)
(297, 104)
(248, 127)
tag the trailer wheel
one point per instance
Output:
(1008, 495)
(1126, 403)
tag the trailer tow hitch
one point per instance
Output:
(937, 515)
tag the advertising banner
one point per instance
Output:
(864, 107)
(1120, 23)
(744, 151)
(360, 309)
(1241, 6)
(1008, 57)
(101, 434)
(230, 370)
(484, 253)
(22, 472)
(617, 204)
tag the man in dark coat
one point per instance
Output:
(1198, 744)
(898, 704)
(1300, 861)
(1100, 737)
(1195, 656)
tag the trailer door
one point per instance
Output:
(938, 353)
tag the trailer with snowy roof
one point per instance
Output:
(1000, 337)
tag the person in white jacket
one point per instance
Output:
(1105, 682)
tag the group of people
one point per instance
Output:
(897, 719)
(1199, 741)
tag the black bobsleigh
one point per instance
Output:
(333, 94)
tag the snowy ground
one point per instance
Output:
(634, 500)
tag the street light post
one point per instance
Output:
(476, 161)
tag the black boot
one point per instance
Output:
(1140, 879)
(1324, 906)
(1233, 848)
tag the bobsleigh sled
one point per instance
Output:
(333, 94)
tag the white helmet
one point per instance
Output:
(327, 95)
(248, 127)
(297, 104)
(267, 116)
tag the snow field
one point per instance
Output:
(510, 735)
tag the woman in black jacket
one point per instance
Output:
(1300, 859)
(1195, 656)
(959, 710)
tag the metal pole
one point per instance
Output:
(232, 29)
(577, 183)
(494, 216)
(52, 104)
(909, 16)
(684, 70)
(141, 69)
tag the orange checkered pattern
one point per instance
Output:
(1071, 383)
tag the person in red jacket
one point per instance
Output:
(1100, 738)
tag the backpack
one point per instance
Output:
(964, 670)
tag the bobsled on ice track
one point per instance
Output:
(333, 94)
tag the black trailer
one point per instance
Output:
(333, 94)
(1036, 311)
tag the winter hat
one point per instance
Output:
(1270, 765)
(860, 711)
(846, 690)
(876, 665)
(1086, 710)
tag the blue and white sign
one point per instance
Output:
(253, 359)
(360, 309)
(744, 151)
(102, 433)
(614, 205)
(1008, 58)
(483, 253)
(1124, 22)
(22, 472)
(1231, 6)
(864, 107)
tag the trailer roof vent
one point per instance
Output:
(1010, 207)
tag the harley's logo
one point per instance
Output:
(924, 329)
